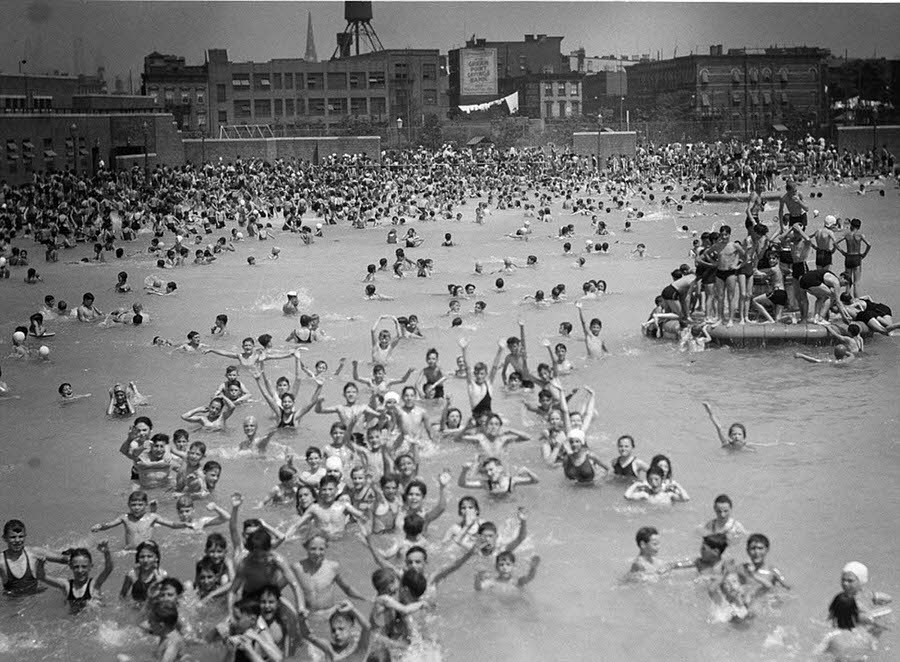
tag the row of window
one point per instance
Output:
(754, 75)
(25, 152)
(562, 89)
(268, 108)
(338, 80)
(754, 98)
(184, 96)
(561, 108)
(17, 102)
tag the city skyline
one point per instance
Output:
(118, 34)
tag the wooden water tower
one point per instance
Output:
(359, 27)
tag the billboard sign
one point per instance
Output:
(478, 71)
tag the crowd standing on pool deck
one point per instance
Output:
(369, 479)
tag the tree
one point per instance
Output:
(432, 135)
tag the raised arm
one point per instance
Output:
(193, 415)
(403, 379)
(522, 533)
(452, 567)
(501, 347)
(264, 390)
(438, 510)
(103, 547)
(723, 438)
(222, 352)
(532, 572)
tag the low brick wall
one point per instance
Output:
(270, 149)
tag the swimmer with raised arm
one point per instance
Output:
(736, 439)
(593, 343)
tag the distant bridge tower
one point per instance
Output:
(359, 27)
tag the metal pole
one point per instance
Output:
(146, 165)
(74, 129)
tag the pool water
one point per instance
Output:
(823, 485)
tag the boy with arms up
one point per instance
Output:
(138, 523)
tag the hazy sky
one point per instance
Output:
(119, 33)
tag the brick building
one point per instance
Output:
(741, 91)
(605, 92)
(550, 96)
(515, 60)
(181, 89)
(45, 92)
(591, 64)
(380, 86)
(77, 141)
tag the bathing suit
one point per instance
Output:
(784, 255)
(798, 269)
(670, 293)
(484, 405)
(287, 422)
(823, 257)
(141, 588)
(852, 261)
(582, 473)
(725, 274)
(812, 279)
(78, 602)
(297, 335)
(872, 311)
(778, 297)
(706, 274)
(801, 219)
(495, 487)
(626, 471)
(24, 585)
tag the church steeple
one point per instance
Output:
(310, 41)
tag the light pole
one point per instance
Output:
(599, 130)
(621, 111)
(399, 129)
(74, 133)
(145, 128)
(874, 131)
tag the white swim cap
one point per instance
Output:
(830, 221)
(334, 464)
(44, 350)
(161, 244)
(318, 226)
(178, 238)
(577, 434)
(815, 213)
(240, 235)
(2, 261)
(391, 396)
(858, 569)
(292, 293)
(18, 336)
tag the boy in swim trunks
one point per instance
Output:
(505, 564)
(854, 255)
(646, 563)
(21, 565)
(756, 572)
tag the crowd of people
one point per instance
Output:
(371, 480)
